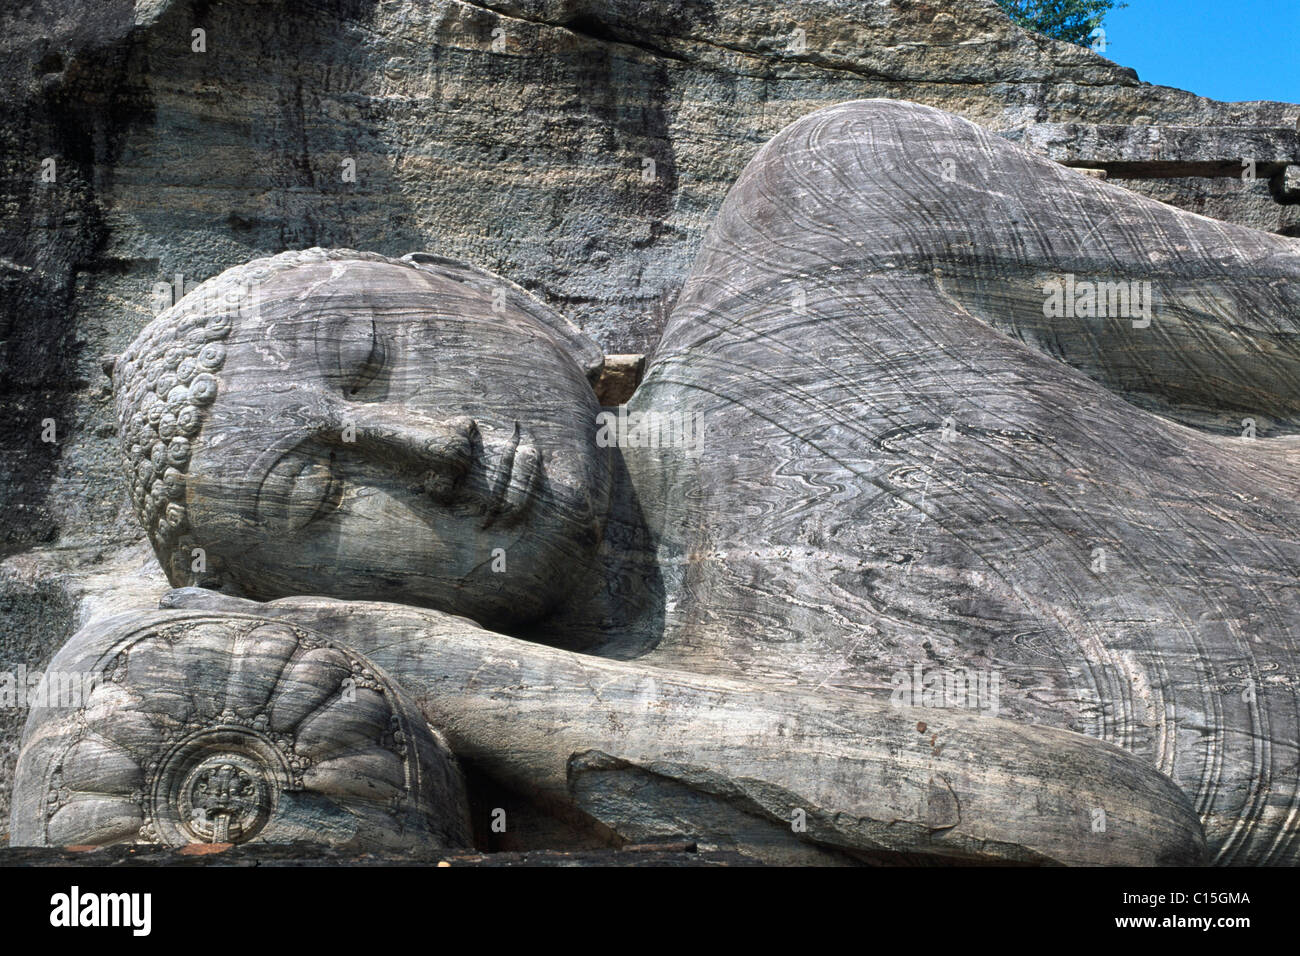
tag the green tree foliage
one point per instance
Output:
(1069, 20)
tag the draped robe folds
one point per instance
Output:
(911, 461)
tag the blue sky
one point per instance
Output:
(1227, 50)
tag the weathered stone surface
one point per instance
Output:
(523, 151)
(648, 753)
(1164, 151)
(892, 437)
(619, 378)
(1288, 183)
(1237, 174)
(1246, 203)
(946, 470)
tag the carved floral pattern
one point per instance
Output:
(223, 729)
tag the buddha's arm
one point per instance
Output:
(652, 752)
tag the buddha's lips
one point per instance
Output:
(513, 479)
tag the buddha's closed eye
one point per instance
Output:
(297, 489)
(353, 355)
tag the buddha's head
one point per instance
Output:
(344, 424)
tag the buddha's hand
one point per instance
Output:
(215, 725)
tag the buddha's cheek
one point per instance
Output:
(366, 534)
(386, 543)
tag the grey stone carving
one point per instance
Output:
(173, 166)
(931, 533)
(225, 729)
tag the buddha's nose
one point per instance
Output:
(436, 453)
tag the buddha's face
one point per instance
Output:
(384, 434)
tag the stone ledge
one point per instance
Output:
(619, 378)
(1162, 151)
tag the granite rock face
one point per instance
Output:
(931, 533)
(579, 148)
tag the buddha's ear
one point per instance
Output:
(108, 363)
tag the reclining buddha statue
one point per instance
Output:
(953, 521)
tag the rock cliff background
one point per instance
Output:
(579, 147)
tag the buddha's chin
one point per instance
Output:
(520, 584)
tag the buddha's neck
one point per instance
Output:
(620, 611)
